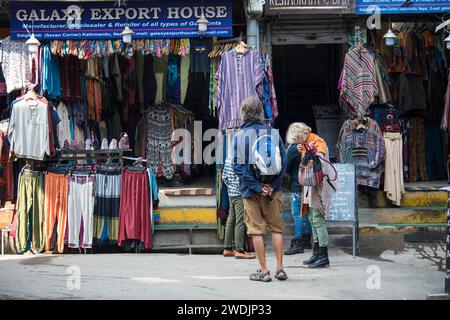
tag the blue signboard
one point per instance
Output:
(395, 6)
(106, 20)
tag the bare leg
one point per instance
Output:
(277, 244)
(258, 243)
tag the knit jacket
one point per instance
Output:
(364, 147)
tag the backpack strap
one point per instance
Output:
(334, 169)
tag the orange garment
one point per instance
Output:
(428, 39)
(321, 147)
(98, 101)
(55, 207)
(93, 91)
(90, 99)
(320, 144)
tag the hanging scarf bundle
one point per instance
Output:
(85, 49)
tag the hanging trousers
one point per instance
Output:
(417, 159)
(30, 213)
(134, 213)
(107, 204)
(434, 151)
(81, 209)
(55, 205)
(393, 167)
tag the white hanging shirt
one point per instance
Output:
(28, 130)
(16, 66)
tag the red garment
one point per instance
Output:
(134, 212)
(3, 158)
(70, 78)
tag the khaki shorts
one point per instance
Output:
(261, 214)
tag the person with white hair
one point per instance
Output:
(302, 227)
(318, 198)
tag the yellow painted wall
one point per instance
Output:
(188, 215)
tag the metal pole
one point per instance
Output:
(354, 239)
(447, 247)
(447, 264)
(3, 248)
(252, 33)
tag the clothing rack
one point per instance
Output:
(232, 40)
(134, 159)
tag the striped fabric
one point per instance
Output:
(238, 77)
(107, 204)
(365, 148)
(359, 82)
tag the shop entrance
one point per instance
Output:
(306, 75)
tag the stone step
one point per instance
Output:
(378, 199)
(173, 237)
(201, 249)
(411, 215)
(190, 215)
(377, 228)
(198, 201)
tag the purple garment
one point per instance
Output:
(238, 77)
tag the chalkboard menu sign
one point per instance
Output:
(343, 205)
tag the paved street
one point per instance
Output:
(407, 271)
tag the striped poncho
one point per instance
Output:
(359, 83)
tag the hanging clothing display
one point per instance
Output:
(359, 83)
(199, 59)
(81, 208)
(29, 128)
(30, 232)
(56, 208)
(411, 93)
(86, 49)
(108, 185)
(237, 70)
(361, 142)
(445, 122)
(64, 126)
(159, 145)
(173, 80)
(270, 99)
(52, 75)
(16, 64)
(435, 159)
(149, 84)
(416, 150)
(393, 172)
(71, 78)
(134, 213)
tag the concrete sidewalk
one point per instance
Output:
(400, 270)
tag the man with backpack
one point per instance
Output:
(260, 163)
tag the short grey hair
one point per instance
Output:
(251, 110)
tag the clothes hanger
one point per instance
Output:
(240, 48)
(31, 94)
(137, 165)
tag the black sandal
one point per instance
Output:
(281, 275)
